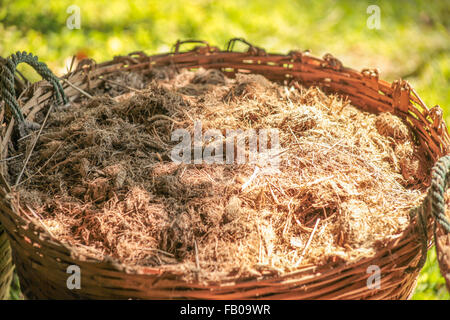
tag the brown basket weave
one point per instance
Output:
(42, 261)
(6, 267)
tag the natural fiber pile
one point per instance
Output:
(100, 177)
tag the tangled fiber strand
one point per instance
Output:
(101, 178)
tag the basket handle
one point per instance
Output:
(177, 45)
(251, 48)
(433, 204)
(7, 82)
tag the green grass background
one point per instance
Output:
(412, 43)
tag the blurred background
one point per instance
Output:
(403, 39)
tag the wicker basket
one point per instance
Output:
(6, 267)
(42, 261)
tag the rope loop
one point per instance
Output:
(8, 92)
(434, 205)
